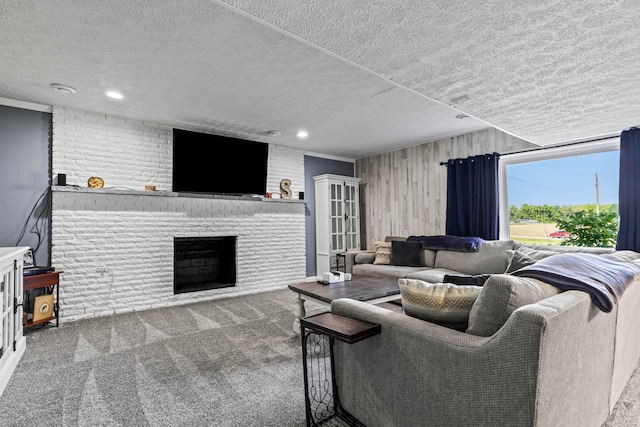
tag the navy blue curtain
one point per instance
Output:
(629, 191)
(472, 197)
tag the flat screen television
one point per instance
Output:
(213, 164)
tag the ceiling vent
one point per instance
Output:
(62, 88)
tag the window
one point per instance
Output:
(537, 186)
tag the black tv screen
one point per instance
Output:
(213, 164)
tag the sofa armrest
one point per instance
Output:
(350, 259)
(418, 373)
(430, 334)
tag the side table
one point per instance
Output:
(47, 281)
(321, 392)
(341, 262)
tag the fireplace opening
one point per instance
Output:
(202, 263)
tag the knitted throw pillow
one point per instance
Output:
(437, 302)
(383, 253)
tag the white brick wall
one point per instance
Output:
(284, 162)
(125, 153)
(116, 250)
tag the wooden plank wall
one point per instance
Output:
(404, 192)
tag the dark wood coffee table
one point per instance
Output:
(373, 290)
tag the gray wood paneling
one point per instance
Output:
(404, 192)
(24, 177)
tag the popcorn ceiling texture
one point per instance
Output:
(546, 71)
(364, 77)
(115, 246)
(201, 65)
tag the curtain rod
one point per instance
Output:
(604, 138)
(475, 155)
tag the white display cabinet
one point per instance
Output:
(337, 220)
(12, 341)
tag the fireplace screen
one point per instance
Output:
(202, 263)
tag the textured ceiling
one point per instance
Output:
(547, 71)
(362, 77)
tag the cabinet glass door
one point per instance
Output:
(336, 218)
(351, 216)
(6, 309)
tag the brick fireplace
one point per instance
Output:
(202, 263)
(116, 244)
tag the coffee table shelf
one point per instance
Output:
(340, 327)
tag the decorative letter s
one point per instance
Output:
(285, 189)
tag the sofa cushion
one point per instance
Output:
(538, 254)
(406, 253)
(628, 256)
(490, 259)
(428, 258)
(437, 302)
(365, 257)
(394, 238)
(501, 295)
(383, 253)
(393, 271)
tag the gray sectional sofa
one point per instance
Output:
(532, 356)
(493, 257)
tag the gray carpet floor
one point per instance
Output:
(229, 362)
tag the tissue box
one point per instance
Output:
(333, 277)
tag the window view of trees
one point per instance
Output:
(573, 225)
(565, 201)
(588, 228)
(546, 213)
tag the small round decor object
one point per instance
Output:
(96, 182)
(44, 308)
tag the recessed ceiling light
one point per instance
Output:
(274, 133)
(62, 88)
(462, 116)
(302, 134)
(113, 94)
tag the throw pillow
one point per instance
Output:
(517, 260)
(406, 253)
(501, 295)
(383, 253)
(449, 243)
(460, 279)
(437, 302)
(524, 257)
(365, 257)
